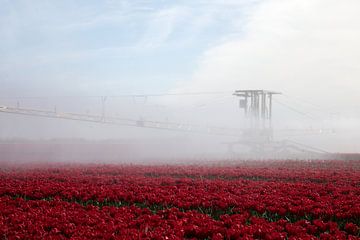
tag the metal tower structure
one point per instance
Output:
(257, 106)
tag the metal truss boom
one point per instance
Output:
(171, 126)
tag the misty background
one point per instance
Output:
(67, 55)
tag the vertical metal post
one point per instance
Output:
(263, 107)
(246, 104)
(253, 109)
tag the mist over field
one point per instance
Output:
(176, 62)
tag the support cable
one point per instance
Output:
(295, 110)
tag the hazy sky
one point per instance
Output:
(298, 47)
(109, 47)
(307, 49)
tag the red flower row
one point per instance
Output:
(56, 219)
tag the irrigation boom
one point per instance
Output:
(256, 104)
(191, 128)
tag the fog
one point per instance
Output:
(176, 63)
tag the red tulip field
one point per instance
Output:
(245, 200)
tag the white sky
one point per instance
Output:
(306, 49)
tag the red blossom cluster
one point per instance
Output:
(273, 200)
